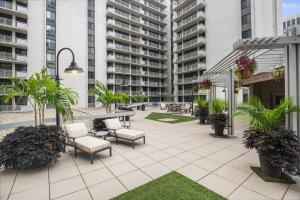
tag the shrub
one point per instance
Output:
(98, 123)
(32, 147)
(281, 147)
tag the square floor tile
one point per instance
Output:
(62, 173)
(188, 157)
(232, 174)
(134, 179)
(37, 193)
(107, 190)
(174, 163)
(218, 184)
(159, 155)
(146, 149)
(193, 172)
(173, 151)
(131, 154)
(142, 161)
(271, 190)
(223, 156)
(67, 186)
(293, 192)
(245, 194)
(122, 168)
(97, 176)
(156, 170)
(207, 164)
(85, 167)
(112, 160)
(80, 195)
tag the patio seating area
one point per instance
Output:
(222, 165)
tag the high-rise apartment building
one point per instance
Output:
(290, 21)
(205, 30)
(155, 48)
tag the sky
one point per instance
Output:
(291, 7)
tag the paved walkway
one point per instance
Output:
(219, 164)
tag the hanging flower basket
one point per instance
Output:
(278, 74)
(205, 84)
(237, 86)
(246, 67)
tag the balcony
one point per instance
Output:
(111, 81)
(5, 38)
(21, 9)
(5, 21)
(199, 28)
(135, 82)
(6, 56)
(6, 4)
(192, 55)
(21, 74)
(21, 25)
(188, 68)
(3, 91)
(194, 6)
(4, 73)
(191, 44)
(21, 58)
(21, 41)
(186, 22)
(13, 7)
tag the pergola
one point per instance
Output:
(269, 53)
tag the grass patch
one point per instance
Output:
(175, 118)
(284, 179)
(171, 186)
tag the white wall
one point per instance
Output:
(72, 32)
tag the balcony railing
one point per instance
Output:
(21, 74)
(6, 21)
(4, 73)
(6, 4)
(5, 38)
(20, 8)
(6, 56)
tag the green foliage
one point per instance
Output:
(139, 98)
(32, 147)
(218, 106)
(177, 118)
(172, 98)
(124, 98)
(104, 95)
(41, 90)
(262, 118)
(201, 103)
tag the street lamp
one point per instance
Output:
(224, 90)
(73, 68)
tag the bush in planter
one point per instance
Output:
(202, 111)
(217, 117)
(32, 147)
(277, 147)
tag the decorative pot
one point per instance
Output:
(267, 168)
(143, 107)
(219, 129)
(202, 120)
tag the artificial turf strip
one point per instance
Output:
(284, 179)
(178, 118)
(171, 186)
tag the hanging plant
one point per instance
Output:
(246, 67)
(237, 86)
(278, 74)
(206, 84)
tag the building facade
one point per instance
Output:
(290, 21)
(155, 48)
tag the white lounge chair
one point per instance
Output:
(79, 137)
(116, 130)
(163, 106)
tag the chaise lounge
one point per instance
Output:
(117, 131)
(79, 137)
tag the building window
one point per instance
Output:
(91, 2)
(50, 71)
(21, 100)
(91, 63)
(91, 13)
(51, 2)
(91, 75)
(50, 15)
(293, 22)
(288, 24)
(246, 34)
(246, 4)
(50, 28)
(91, 38)
(91, 26)
(91, 50)
(298, 20)
(284, 25)
(91, 99)
(50, 57)
(246, 19)
(50, 43)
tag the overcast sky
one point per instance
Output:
(291, 7)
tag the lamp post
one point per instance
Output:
(224, 90)
(73, 68)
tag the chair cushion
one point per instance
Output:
(76, 130)
(91, 144)
(130, 134)
(113, 124)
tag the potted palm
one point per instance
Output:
(202, 110)
(217, 116)
(277, 147)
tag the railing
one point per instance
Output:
(6, 4)
(6, 56)
(6, 21)
(5, 38)
(21, 8)
(21, 25)
(21, 74)
(4, 73)
(22, 41)
(22, 58)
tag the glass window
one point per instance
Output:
(288, 23)
(293, 22)
(91, 99)
(50, 28)
(246, 34)
(50, 71)
(50, 15)
(91, 50)
(298, 20)
(91, 75)
(91, 2)
(91, 26)
(284, 25)
(50, 43)
(246, 19)
(246, 4)
(91, 38)
(50, 57)
(51, 2)
(91, 13)
(91, 63)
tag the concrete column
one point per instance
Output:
(231, 102)
(292, 85)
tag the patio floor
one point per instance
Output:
(221, 165)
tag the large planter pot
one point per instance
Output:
(143, 107)
(202, 120)
(219, 129)
(267, 168)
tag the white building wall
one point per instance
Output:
(72, 32)
(100, 43)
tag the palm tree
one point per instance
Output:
(40, 90)
(104, 95)
(262, 118)
(217, 116)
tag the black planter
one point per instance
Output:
(202, 120)
(219, 129)
(143, 107)
(267, 168)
